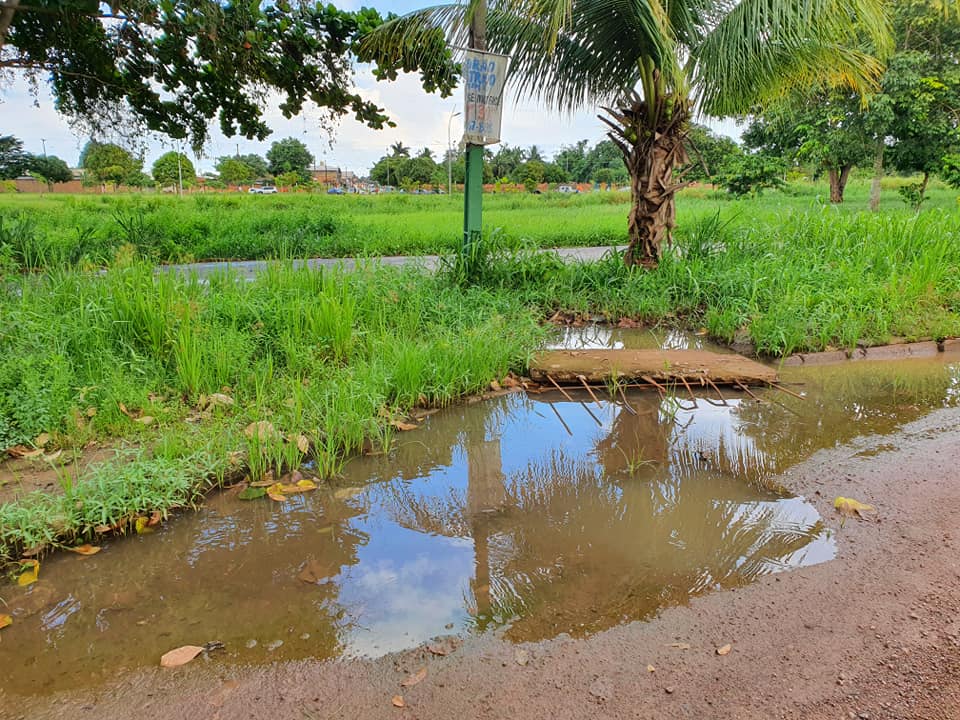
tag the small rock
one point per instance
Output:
(668, 689)
(274, 645)
(251, 643)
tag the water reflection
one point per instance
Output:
(521, 515)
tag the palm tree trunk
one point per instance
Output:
(877, 177)
(652, 144)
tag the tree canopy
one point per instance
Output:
(173, 168)
(110, 163)
(177, 65)
(289, 156)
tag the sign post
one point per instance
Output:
(484, 77)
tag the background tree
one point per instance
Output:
(711, 150)
(235, 172)
(290, 156)
(168, 169)
(13, 160)
(751, 173)
(49, 169)
(214, 61)
(649, 62)
(110, 163)
(398, 149)
(827, 129)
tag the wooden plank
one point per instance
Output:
(567, 366)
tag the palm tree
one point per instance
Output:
(651, 64)
(400, 150)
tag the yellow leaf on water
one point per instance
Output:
(306, 485)
(142, 525)
(85, 549)
(849, 507)
(30, 576)
(180, 656)
(404, 426)
(5, 621)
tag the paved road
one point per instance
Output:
(250, 268)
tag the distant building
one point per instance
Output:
(326, 175)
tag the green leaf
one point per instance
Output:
(252, 493)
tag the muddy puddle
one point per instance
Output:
(525, 516)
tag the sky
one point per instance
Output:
(422, 121)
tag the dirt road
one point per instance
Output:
(874, 634)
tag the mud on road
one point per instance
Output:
(874, 634)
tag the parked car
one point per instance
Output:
(263, 190)
(335, 191)
(568, 189)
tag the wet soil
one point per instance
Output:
(20, 476)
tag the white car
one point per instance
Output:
(567, 189)
(263, 190)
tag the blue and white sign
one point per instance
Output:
(484, 76)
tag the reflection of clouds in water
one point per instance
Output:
(607, 337)
(400, 602)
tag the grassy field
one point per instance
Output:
(328, 361)
(63, 230)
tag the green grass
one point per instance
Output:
(332, 356)
(38, 232)
(336, 356)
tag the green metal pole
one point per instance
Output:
(473, 182)
(473, 200)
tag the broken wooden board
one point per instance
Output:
(694, 366)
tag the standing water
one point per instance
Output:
(527, 516)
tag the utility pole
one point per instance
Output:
(473, 186)
(180, 170)
(44, 141)
(450, 155)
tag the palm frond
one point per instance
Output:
(760, 48)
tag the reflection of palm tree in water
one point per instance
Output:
(561, 547)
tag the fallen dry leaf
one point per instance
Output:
(123, 409)
(725, 649)
(5, 621)
(22, 451)
(495, 386)
(510, 382)
(219, 399)
(848, 507)
(180, 656)
(262, 431)
(155, 517)
(303, 444)
(30, 576)
(42, 439)
(404, 426)
(53, 456)
(418, 677)
(398, 701)
(522, 657)
(85, 549)
(91, 412)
